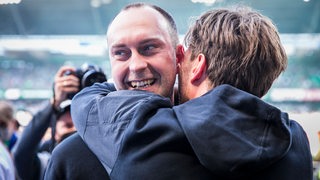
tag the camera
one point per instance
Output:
(88, 74)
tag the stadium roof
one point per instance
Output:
(90, 17)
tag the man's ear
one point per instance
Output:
(179, 55)
(199, 68)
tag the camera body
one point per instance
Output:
(88, 74)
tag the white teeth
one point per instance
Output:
(139, 84)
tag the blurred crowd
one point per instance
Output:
(25, 150)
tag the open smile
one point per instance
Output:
(141, 84)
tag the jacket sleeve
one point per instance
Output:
(102, 117)
(25, 151)
(83, 102)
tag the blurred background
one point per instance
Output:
(39, 36)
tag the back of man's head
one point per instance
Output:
(242, 48)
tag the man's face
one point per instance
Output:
(64, 126)
(141, 52)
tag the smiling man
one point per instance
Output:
(142, 41)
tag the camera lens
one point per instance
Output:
(88, 74)
(91, 77)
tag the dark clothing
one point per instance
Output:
(30, 154)
(25, 152)
(294, 165)
(73, 160)
(224, 134)
(12, 141)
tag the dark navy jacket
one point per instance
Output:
(72, 160)
(224, 134)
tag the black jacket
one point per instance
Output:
(73, 160)
(30, 153)
(26, 151)
(224, 134)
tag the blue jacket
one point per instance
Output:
(224, 134)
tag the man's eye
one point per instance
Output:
(148, 50)
(121, 54)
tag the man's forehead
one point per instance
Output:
(136, 41)
(137, 16)
(140, 27)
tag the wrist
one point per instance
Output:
(55, 106)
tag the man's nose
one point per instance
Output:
(137, 62)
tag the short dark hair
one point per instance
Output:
(242, 48)
(172, 25)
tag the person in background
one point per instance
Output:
(150, 38)
(14, 127)
(7, 169)
(223, 130)
(31, 154)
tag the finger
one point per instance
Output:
(67, 80)
(69, 89)
(64, 69)
(70, 83)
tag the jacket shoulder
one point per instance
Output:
(72, 159)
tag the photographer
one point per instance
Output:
(31, 154)
(6, 118)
